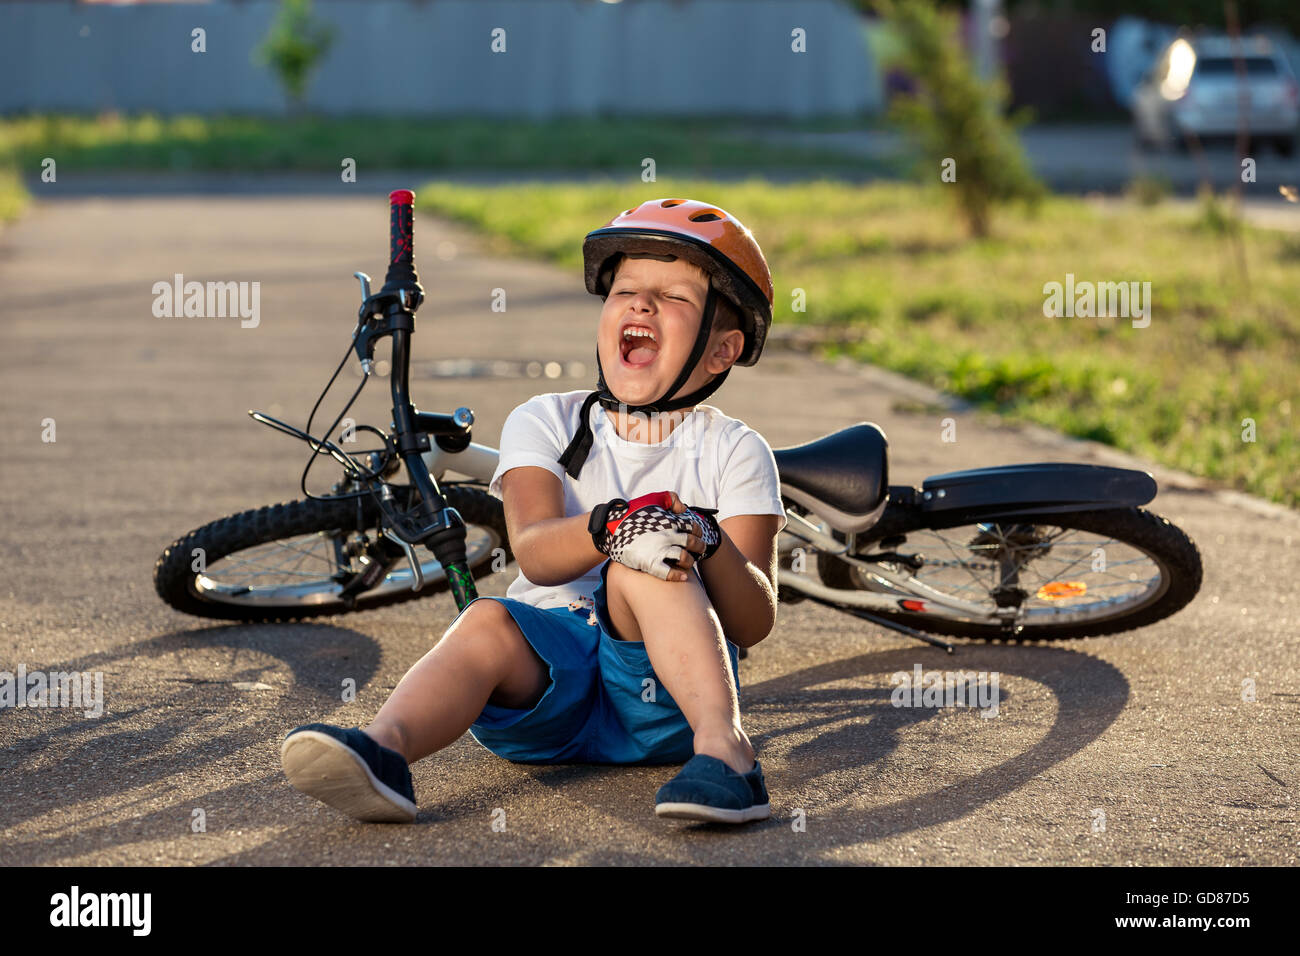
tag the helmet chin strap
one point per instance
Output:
(576, 454)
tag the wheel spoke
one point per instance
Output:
(1040, 555)
(306, 571)
(287, 551)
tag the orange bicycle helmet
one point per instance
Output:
(702, 234)
(706, 236)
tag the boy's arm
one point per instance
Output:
(549, 548)
(740, 578)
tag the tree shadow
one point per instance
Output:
(133, 755)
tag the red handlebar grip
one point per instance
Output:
(402, 214)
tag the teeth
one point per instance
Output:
(639, 333)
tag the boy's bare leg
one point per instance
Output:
(684, 641)
(483, 658)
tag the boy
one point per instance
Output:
(618, 641)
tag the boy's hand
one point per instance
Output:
(653, 533)
(706, 526)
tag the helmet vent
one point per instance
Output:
(671, 202)
(705, 217)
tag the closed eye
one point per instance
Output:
(679, 298)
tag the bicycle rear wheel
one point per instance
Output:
(1074, 575)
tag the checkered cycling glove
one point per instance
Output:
(706, 526)
(645, 534)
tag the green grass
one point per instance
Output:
(13, 197)
(112, 142)
(888, 268)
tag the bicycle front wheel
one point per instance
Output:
(291, 561)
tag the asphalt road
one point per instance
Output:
(1134, 749)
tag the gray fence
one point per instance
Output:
(562, 57)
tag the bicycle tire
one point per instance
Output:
(1169, 547)
(176, 581)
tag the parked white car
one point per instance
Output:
(1194, 88)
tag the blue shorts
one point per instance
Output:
(604, 702)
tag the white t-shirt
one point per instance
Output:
(710, 460)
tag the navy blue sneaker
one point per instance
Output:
(707, 789)
(350, 772)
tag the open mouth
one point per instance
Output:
(638, 346)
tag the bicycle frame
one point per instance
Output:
(475, 462)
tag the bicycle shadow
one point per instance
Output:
(860, 728)
(806, 731)
(824, 728)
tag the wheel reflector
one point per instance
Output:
(1059, 590)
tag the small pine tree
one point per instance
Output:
(294, 46)
(956, 115)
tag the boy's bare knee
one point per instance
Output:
(520, 676)
(621, 576)
(483, 617)
(631, 587)
(494, 636)
(486, 631)
(631, 594)
(616, 571)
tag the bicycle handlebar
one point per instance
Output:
(436, 526)
(401, 220)
(401, 280)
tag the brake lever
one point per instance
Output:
(408, 548)
(411, 556)
(396, 519)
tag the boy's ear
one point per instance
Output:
(726, 349)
